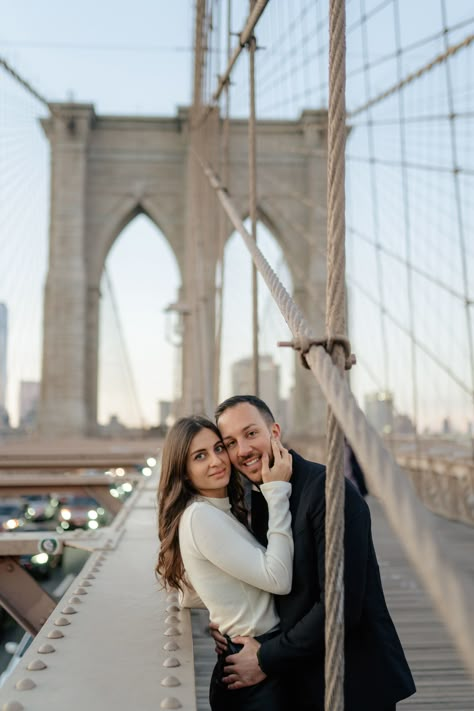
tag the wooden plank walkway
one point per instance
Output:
(442, 683)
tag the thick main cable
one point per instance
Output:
(335, 327)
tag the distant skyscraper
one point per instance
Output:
(269, 377)
(3, 354)
(379, 411)
(29, 396)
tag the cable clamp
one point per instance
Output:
(303, 345)
(248, 42)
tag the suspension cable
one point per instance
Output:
(252, 160)
(335, 328)
(461, 235)
(254, 16)
(413, 340)
(407, 263)
(410, 47)
(375, 209)
(225, 168)
(449, 52)
(407, 221)
(25, 84)
(124, 349)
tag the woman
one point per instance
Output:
(205, 543)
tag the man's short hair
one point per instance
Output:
(261, 406)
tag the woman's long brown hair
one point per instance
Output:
(175, 491)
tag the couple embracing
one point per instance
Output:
(261, 574)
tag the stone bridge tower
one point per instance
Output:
(105, 170)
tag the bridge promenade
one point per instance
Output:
(117, 641)
(441, 681)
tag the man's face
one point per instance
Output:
(246, 435)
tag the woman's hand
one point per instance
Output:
(219, 639)
(282, 463)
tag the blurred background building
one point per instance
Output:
(269, 382)
(28, 406)
(379, 410)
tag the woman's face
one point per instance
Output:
(208, 464)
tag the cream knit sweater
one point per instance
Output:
(230, 571)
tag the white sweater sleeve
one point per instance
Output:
(223, 541)
(188, 597)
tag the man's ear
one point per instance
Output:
(275, 430)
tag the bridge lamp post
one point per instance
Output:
(174, 331)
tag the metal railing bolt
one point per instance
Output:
(169, 703)
(170, 681)
(172, 632)
(36, 665)
(171, 662)
(55, 634)
(171, 646)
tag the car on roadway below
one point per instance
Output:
(41, 507)
(12, 514)
(80, 512)
(41, 564)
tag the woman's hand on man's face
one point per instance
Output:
(282, 463)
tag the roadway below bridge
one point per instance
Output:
(55, 582)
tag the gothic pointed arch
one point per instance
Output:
(126, 212)
(114, 168)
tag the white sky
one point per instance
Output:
(136, 58)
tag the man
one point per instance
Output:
(376, 671)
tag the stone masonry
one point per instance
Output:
(104, 172)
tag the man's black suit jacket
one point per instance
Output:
(376, 671)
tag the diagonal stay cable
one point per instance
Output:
(434, 358)
(411, 47)
(123, 344)
(244, 37)
(25, 84)
(407, 263)
(450, 588)
(442, 57)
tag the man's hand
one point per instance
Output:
(221, 642)
(242, 669)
